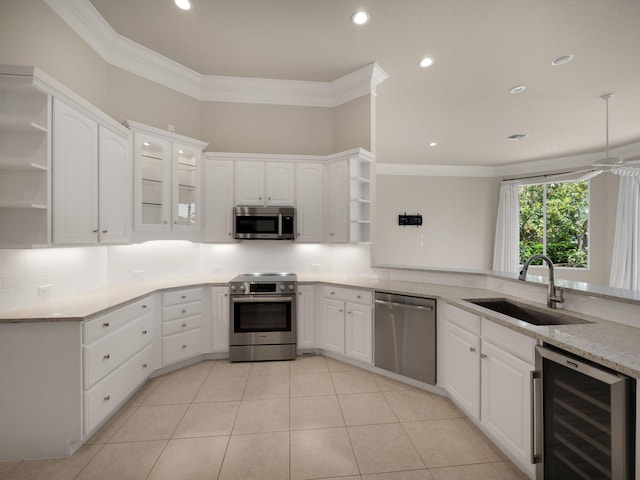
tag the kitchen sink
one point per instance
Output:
(526, 313)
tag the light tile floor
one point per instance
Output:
(312, 418)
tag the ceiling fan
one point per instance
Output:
(609, 164)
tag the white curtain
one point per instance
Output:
(625, 264)
(507, 241)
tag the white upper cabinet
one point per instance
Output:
(309, 194)
(152, 173)
(167, 184)
(218, 204)
(186, 187)
(264, 183)
(348, 198)
(25, 153)
(115, 186)
(75, 176)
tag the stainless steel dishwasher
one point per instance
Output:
(405, 336)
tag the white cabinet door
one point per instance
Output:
(280, 184)
(333, 322)
(359, 332)
(220, 318)
(506, 401)
(309, 211)
(75, 176)
(337, 202)
(249, 183)
(186, 190)
(115, 191)
(218, 179)
(306, 317)
(152, 177)
(462, 368)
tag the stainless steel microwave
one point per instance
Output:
(264, 223)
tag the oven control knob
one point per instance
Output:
(242, 288)
(281, 287)
(233, 288)
(291, 287)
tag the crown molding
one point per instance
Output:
(121, 52)
(509, 170)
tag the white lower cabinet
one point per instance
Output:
(306, 317)
(181, 325)
(117, 358)
(220, 319)
(487, 372)
(347, 323)
(103, 398)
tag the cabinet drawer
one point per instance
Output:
(185, 310)
(182, 325)
(181, 346)
(107, 395)
(110, 352)
(348, 295)
(181, 296)
(109, 322)
(509, 340)
(469, 321)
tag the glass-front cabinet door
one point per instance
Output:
(186, 187)
(153, 181)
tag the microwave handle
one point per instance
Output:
(279, 225)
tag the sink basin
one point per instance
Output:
(525, 313)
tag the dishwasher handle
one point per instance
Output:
(404, 305)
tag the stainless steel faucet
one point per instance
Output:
(553, 297)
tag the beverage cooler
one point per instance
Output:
(584, 419)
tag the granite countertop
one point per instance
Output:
(611, 344)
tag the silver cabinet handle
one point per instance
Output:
(144, 365)
(143, 307)
(184, 346)
(183, 296)
(184, 310)
(482, 355)
(105, 231)
(144, 332)
(105, 325)
(95, 231)
(106, 357)
(472, 349)
(184, 325)
(534, 375)
(340, 310)
(107, 398)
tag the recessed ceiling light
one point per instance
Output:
(360, 17)
(433, 144)
(183, 4)
(562, 59)
(518, 89)
(146, 144)
(426, 62)
(517, 136)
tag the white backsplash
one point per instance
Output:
(31, 276)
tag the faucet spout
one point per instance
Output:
(553, 297)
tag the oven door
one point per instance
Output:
(262, 320)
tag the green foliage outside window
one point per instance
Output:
(567, 222)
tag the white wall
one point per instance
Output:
(458, 221)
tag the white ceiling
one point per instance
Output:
(481, 49)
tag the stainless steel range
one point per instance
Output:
(263, 317)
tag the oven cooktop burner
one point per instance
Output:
(265, 277)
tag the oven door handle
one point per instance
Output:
(262, 299)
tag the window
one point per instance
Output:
(554, 220)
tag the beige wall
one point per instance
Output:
(131, 97)
(458, 221)
(32, 34)
(352, 124)
(254, 128)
